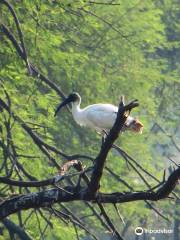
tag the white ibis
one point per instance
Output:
(99, 116)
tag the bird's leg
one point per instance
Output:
(104, 135)
(102, 139)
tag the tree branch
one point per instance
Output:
(12, 227)
(51, 196)
(34, 70)
(106, 146)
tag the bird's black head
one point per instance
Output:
(73, 97)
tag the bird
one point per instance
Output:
(100, 116)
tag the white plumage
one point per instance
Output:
(98, 116)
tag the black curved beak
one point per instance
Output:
(64, 103)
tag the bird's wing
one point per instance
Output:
(101, 116)
(102, 107)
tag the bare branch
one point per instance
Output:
(35, 71)
(49, 197)
(19, 33)
(11, 226)
(106, 146)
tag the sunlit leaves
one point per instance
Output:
(101, 52)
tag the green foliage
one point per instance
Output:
(101, 52)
